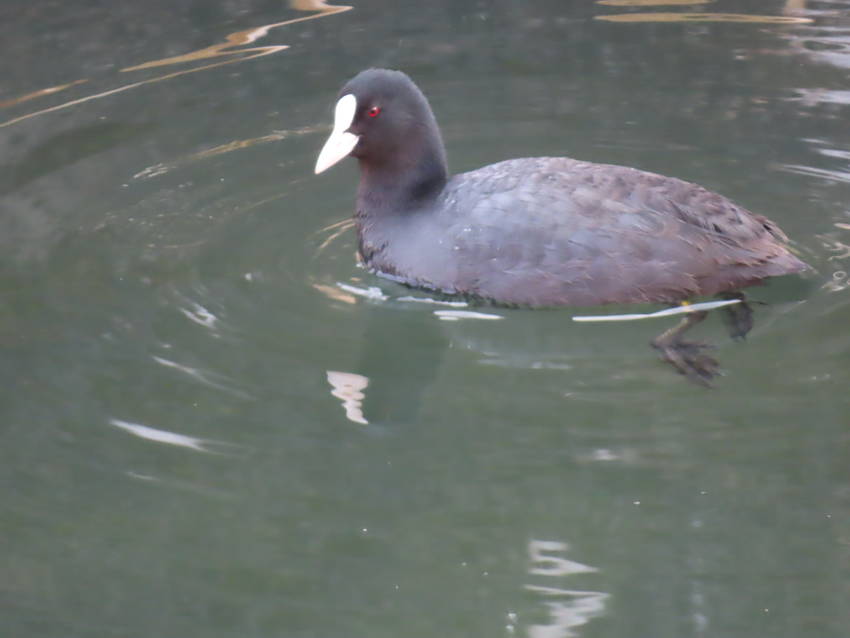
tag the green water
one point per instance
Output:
(176, 287)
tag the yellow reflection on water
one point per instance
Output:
(650, 3)
(333, 292)
(162, 167)
(233, 49)
(40, 93)
(336, 229)
(241, 38)
(703, 17)
(240, 144)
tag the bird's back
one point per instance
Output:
(556, 231)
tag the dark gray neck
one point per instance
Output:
(409, 179)
(389, 195)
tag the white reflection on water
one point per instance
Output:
(349, 293)
(547, 565)
(202, 377)
(372, 292)
(200, 315)
(455, 315)
(193, 488)
(838, 282)
(827, 42)
(682, 309)
(349, 387)
(837, 241)
(823, 173)
(172, 438)
(575, 608)
(436, 302)
(568, 608)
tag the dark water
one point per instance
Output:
(177, 291)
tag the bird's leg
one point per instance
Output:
(687, 356)
(738, 317)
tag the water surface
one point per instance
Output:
(215, 424)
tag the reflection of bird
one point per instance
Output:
(541, 231)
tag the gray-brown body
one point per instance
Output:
(556, 231)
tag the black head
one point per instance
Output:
(384, 120)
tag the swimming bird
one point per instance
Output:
(541, 231)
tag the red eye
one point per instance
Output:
(374, 111)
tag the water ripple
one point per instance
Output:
(233, 50)
(201, 316)
(157, 435)
(823, 173)
(202, 377)
(568, 608)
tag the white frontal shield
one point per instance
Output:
(341, 142)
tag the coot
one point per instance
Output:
(542, 231)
